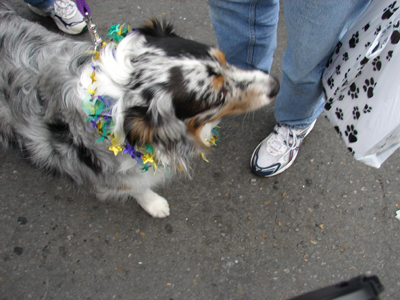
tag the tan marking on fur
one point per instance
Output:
(234, 107)
(149, 23)
(141, 131)
(220, 56)
(195, 132)
(218, 82)
(124, 187)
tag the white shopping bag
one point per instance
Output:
(362, 84)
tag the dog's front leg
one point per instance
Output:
(153, 204)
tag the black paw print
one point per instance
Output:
(328, 63)
(347, 73)
(331, 82)
(364, 61)
(354, 40)
(341, 97)
(367, 109)
(338, 70)
(356, 113)
(351, 151)
(338, 130)
(339, 113)
(366, 27)
(377, 64)
(378, 29)
(328, 104)
(388, 12)
(389, 55)
(345, 56)
(351, 133)
(336, 91)
(369, 86)
(338, 46)
(367, 45)
(395, 37)
(353, 91)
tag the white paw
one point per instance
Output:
(155, 205)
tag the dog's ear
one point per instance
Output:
(162, 130)
(158, 29)
(137, 125)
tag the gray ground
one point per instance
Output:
(231, 235)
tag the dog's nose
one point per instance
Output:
(274, 87)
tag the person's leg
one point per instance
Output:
(246, 31)
(64, 13)
(40, 3)
(314, 27)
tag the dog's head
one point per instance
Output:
(168, 88)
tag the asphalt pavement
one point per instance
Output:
(231, 234)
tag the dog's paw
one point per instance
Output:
(155, 205)
(158, 208)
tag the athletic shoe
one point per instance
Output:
(278, 151)
(65, 14)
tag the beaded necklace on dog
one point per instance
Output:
(99, 111)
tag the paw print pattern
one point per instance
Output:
(336, 91)
(328, 63)
(345, 56)
(356, 113)
(338, 70)
(389, 55)
(351, 151)
(366, 27)
(388, 12)
(351, 133)
(354, 40)
(364, 61)
(328, 104)
(367, 45)
(353, 91)
(338, 130)
(395, 37)
(377, 64)
(341, 97)
(378, 29)
(367, 109)
(369, 86)
(339, 113)
(331, 82)
(338, 46)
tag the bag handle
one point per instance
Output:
(377, 46)
(380, 42)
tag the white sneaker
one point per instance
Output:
(65, 14)
(278, 151)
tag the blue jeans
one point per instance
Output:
(246, 32)
(40, 3)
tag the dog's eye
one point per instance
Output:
(221, 97)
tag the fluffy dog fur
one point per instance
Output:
(168, 92)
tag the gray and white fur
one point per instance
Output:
(168, 92)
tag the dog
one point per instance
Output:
(122, 120)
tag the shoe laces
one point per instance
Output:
(64, 8)
(283, 140)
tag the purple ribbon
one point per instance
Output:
(83, 7)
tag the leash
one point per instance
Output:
(84, 9)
